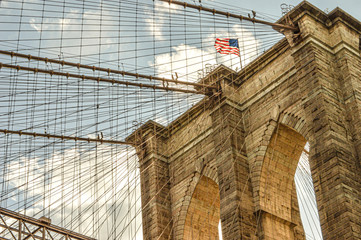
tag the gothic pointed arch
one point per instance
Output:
(203, 213)
(277, 194)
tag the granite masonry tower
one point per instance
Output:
(232, 157)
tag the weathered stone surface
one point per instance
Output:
(246, 142)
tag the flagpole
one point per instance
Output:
(240, 58)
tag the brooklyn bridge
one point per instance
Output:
(165, 119)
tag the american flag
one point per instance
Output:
(227, 46)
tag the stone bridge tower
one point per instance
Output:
(233, 156)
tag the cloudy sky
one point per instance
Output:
(273, 6)
(139, 37)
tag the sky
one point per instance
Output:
(154, 48)
(273, 6)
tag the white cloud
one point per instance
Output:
(79, 31)
(55, 23)
(185, 60)
(190, 62)
(155, 22)
(155, 28)
(248, 44)
(60, 182)
(36, 25)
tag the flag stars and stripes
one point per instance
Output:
(227, 46)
